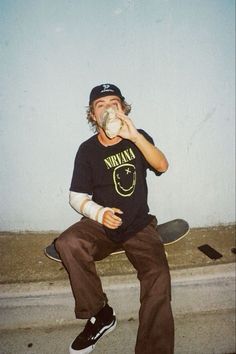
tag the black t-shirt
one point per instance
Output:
(115, 176)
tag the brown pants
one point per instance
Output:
(86, 242)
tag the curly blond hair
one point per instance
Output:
(93, 124)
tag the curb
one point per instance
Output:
(194, 290)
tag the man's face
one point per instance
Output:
(101, 104)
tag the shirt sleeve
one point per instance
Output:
(82, 177)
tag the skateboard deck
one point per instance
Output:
(169, 232)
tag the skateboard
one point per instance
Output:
(169, 232)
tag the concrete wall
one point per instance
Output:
(174, 61)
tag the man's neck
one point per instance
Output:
(105, 141)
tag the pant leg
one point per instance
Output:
(156, 326)
(79, 247)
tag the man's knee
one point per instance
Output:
(71, 242)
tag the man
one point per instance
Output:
(109, 188)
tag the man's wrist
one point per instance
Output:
(136, 138)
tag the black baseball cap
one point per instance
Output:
(105, 90)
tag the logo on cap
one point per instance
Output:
(106, 88)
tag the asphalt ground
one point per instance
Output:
(204, 333)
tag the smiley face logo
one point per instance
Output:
(124, 178)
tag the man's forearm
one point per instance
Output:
(152, 154)
(84, 205)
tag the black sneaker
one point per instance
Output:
(95, 328)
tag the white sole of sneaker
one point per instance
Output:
(92, 347)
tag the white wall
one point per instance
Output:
(173, 60)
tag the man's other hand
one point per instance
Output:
(111, 220)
